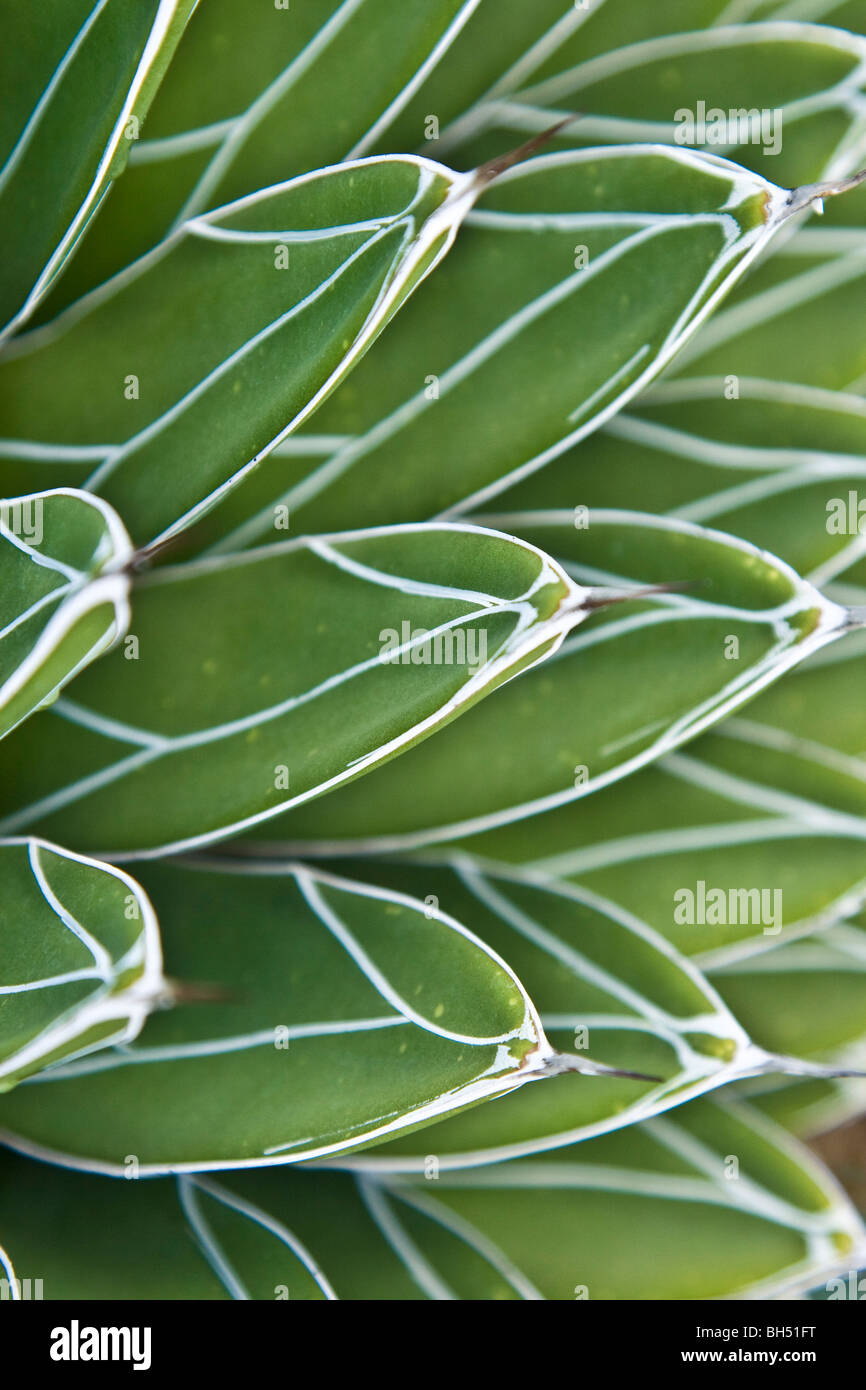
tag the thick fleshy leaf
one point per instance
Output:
(578, 276)
(608, 989)
(80, 958)
(505, 42)
(771, 461)
(584, 720)
(715, 1203)
(805, 1106)
(78, 78)
(266, 304)
(254, 683)
(244, 75)
(807, 997)
(771, 802)
(782, 99)
(64, 594)
(349, 1013)
(799, 317)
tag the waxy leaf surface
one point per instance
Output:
(63, 594)
(254, 683)
(77, 77)
(585, 720)
(341, 1014)
(175, 377)
(80, 958)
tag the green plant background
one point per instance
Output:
(324, 975)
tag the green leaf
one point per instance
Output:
(78, 79)
(243, 76)
(799, 317)
(349, 1013)
(773, 462)
(804, 83)
(63, 594)
(264, 304)
(806, 1105)
(772, 801)
(807, 997)
(578, 275)
(254, 683)
(562, 1228)
(571, 1223)
(627, 67)
(143, 1240)
(81, 960)
(584, 721)
(610, 992)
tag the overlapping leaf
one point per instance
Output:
(771, 461)
(805, 1105)
(80, 957)
(657, 1209)
(807, 997)
(579, 275)
(143, 1240)
(349, 1013)
(63, 594)
(608, 989)
(771, 801)
(263, 306)
(78, 77)
(781, 98)
(244, 75)
(606, 59)
(799, 316)
(584, 720)
(252, 684)
(712, 1202)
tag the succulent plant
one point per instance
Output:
(432, 593)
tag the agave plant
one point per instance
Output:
(432, 593)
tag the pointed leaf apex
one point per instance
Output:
(808, 194)
(494, 168)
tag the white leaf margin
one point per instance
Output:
(833, 623)
(165, 15)
(702, 1073)
(442, 224)
(504, 1074)
(112, 586)
(532, 642)
(130, 1007)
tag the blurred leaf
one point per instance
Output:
(81, 961)
(655, 1211)
(799, 317)
(77, 80)
(264, 306)
(350, 1013)
(805, 1105)
(807, 997)
(796, 91)
(584, 720)
(144, 1240)
(627, 67)
(772, 802)
(63, 594)
(713, 1202)
(775, 464)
